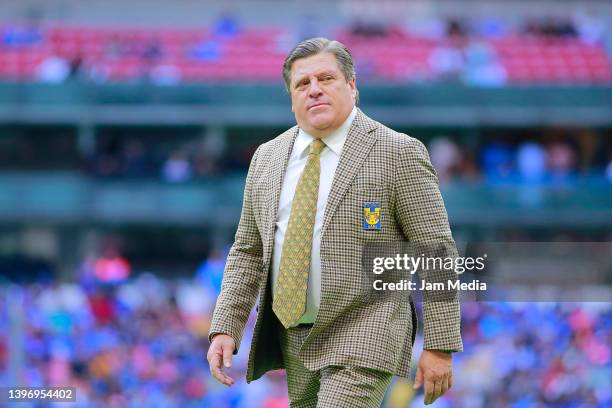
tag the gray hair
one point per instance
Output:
(313, 46)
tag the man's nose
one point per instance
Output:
(315, 90)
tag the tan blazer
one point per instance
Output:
(377, 164)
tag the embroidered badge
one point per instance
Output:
(371, 215)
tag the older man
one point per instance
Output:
(299, 247)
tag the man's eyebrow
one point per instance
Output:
(325, 73)
(322, 73)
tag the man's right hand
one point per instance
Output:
(220, 354)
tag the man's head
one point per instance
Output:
(320, 77)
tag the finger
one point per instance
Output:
(214, 359)
(437, 390)
(445, 386)
(215, 369)
(215, 366)
(222, 377)
(429, 389)
(227, 380)
(418, 379)
(227, 356)
(450, 380)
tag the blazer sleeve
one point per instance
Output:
(243, 272)
(421, 213)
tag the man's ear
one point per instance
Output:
(353, 84)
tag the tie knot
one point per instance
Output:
(316, 146)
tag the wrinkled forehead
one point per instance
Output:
(313, 65)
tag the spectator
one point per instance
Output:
(482, 67)
(550, 28)
(208, 50)
(426, 26)
(117, 47)
(210, 272)
(531, 162)
(590, 27)
(77, 70)
(22, 36)
(491, 27)
(134, 158)
(445, 157)
(177, 168)
(455, 29)
(497, 161)
(561, 161)
(226, 26)
(152, 51)
(369, 29)
(151, 54)
(53, 69)
(165, 74)
(112, 267)
(447, 63)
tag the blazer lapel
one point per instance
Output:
(276, 173)
(359, 141)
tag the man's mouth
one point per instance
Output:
(317, 104)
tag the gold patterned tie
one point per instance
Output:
(292, 282)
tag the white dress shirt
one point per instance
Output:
(329, 158)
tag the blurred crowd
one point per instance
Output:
(149, 50)
(583, 24)
(141, 341)
(179, 161)
(132, 157)
(462, 52)
(523, 160)
(539, 156)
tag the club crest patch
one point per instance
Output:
(371, 215)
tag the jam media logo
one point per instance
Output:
(371, 215)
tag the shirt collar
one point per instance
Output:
(334, 141)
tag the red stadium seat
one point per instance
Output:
(253, 54)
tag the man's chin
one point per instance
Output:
(321, 121)
(322, 127)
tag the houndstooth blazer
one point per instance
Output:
(377, 164)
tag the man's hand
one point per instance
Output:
(435, 370)
(221, 349)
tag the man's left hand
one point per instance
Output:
(435, 371)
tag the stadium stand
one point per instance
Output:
(255, 54)
(142, 342)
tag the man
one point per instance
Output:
(299, 247)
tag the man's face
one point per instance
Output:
(321, 98)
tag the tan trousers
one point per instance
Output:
(330, 387)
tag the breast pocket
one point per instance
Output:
(366, 186)
(368, 207)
